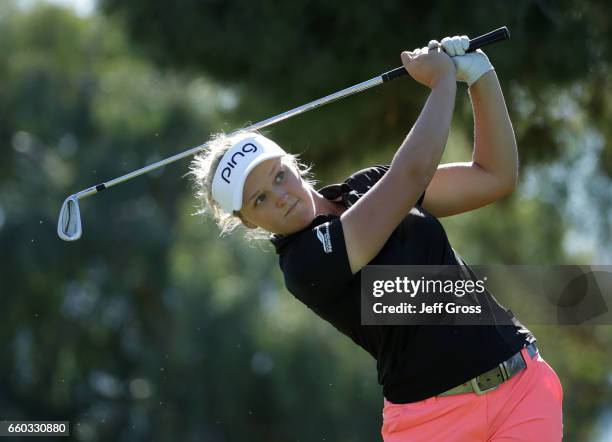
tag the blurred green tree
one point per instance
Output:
(283, 54)
(151, 328)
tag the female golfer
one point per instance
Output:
(440, 383)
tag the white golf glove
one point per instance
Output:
(470, 67)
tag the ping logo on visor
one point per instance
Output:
(247, 151)
(226, 172)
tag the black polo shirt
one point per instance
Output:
(414, 362)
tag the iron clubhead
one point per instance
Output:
(69, 222)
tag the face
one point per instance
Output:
(276, 199)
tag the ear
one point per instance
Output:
(245, 222)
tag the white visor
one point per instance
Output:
(248, 150)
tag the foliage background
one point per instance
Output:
(150, 327)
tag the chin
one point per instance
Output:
(298, 223)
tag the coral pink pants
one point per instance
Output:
(525, 408)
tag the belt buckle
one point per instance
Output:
(477, 388)
(504, 374)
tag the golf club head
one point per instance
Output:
(69, 223)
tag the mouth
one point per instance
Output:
(291, 208)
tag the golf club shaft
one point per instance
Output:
(483, 40)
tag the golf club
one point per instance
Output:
(69, 224)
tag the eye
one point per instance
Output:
(260, 199)
(280, 177)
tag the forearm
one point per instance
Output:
(494, 142)
(422, 149)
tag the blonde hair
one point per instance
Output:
(202, 171)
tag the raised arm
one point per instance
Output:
(368, 224)
(492, 173)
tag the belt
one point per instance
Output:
(491, 379)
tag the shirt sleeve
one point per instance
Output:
(365, 179)
(317, 268)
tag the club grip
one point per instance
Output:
(499, 34)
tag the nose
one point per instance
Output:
(281, 199)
